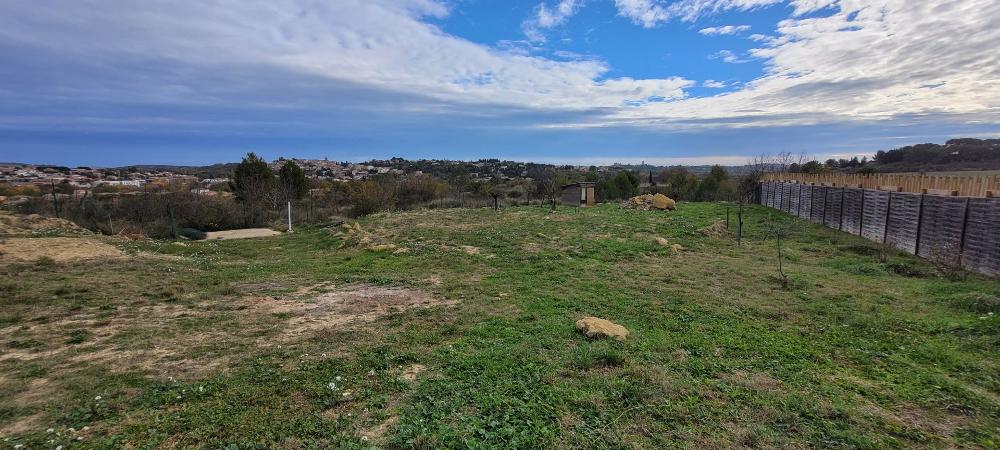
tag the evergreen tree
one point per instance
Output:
(253, 184)
(293, 181)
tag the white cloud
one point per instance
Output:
(861, 60)
(549, 17)
(727, 56)
(713, 84)
(728, 29)
(649, 13)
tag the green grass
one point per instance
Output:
(855, 353)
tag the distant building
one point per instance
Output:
(578, 194)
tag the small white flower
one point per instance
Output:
(201, 388)
(178, 397)
(86, 428)
(18, 446)
(346, 393)
(332, 386)
(98, 398)
(364, 438)
(337, 378)
(49, 430)
(59, 447)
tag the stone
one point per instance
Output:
(662, 202)
(597, 328)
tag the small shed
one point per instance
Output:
(578, 194)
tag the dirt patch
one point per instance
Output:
(470, 250)
(914, 417)
(342, 307)
(758, 381)
(241, 234)
(17, 224)
(56, 248)
(410, 374)
(24, 425)
(377, 433)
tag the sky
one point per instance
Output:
(116, 82)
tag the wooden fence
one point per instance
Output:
(972, 185)
(960, 230)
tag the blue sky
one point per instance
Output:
(106, 82)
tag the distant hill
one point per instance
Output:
(953, 155)
(221, 170)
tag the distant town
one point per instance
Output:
(207, 179)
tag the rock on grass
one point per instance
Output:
(597, 328)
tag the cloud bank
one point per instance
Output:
(830, 61)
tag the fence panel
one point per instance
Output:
(786, 196)
(778, 191)
(834, 207)
(932, 226)
(794, 199)
(875, 213)
(904, 216)
(818, 203)
(941, 220)
(805, 201)
(981, 252)
(853, 205)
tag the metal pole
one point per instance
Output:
(289, 216)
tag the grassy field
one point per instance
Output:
(455, 328)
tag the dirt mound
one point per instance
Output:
(716, 229)
(649, 202)
(17, 224)
(56, 248)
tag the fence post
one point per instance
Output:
(861, 220)
(888, 214)
(920, 213)
(826, 204)
(961, 239)
(843, 193)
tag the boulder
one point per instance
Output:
(597, 328)
(662, 202)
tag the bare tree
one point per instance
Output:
(779, 230)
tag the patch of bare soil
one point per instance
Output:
(342, 307)
(914, 417)
(246, 233)
(56, 248)
(166, 350)
(411, 373)
(758, 381)
(17, 224)
(377, 433)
